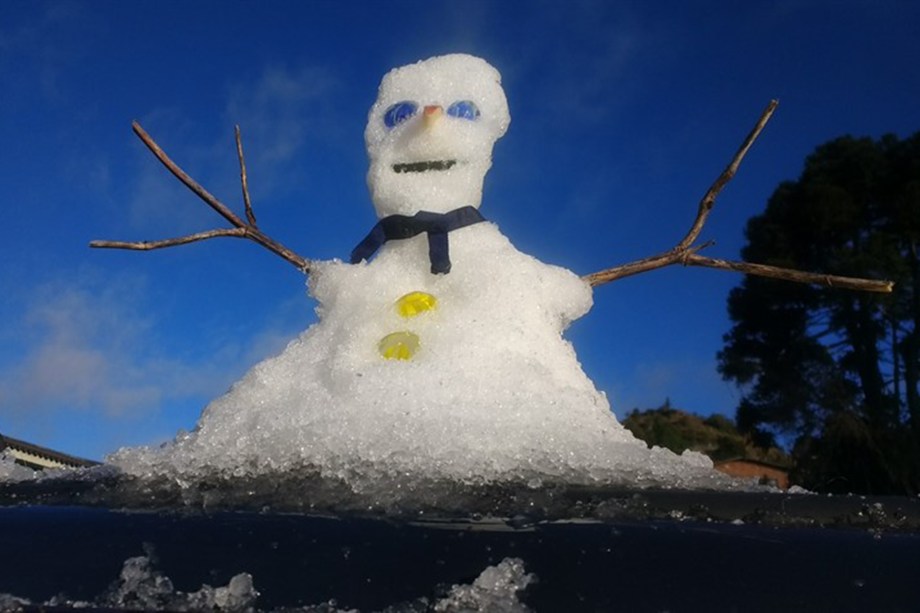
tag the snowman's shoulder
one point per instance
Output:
(492, 254)
(502, 247)
(321, 271)
(331, 277)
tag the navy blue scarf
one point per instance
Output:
(437, 225)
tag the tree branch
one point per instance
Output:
(686, 253)
(244, 182)
(169, 242)
(709, 199)
(188, 181)
(241, 229)
(786, 274)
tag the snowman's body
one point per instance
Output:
(492, 391)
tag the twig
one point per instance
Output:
(686, 253)
(244, 182)
(709, 200)
(188, 181)
(169, 242)
(786, 274)
(241, 229)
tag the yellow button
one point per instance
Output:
(398, 345)
(415, 303)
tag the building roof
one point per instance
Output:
(752, 461)
(38, 458)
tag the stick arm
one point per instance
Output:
(686, 251)
(241, 229)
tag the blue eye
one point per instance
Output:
(464, 109)
(398, 113)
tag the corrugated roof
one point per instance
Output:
(38, 457)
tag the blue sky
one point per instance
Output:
(622, 115)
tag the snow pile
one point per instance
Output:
(142, 587)
(495, 589)
(493, 393)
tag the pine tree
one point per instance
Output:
(836, 370)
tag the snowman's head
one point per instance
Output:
(430, 133)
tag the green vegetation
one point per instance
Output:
(716, 436)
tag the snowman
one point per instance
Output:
(438, 351)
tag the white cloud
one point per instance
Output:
(586, 84)
(276, 108)
(91, 346)
(278, 112)
(77, 345)
(34, 41)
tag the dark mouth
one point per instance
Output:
(424, 166)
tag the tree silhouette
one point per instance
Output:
(837, 370)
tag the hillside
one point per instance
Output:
(715, 436)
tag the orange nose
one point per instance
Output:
(431, 114)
